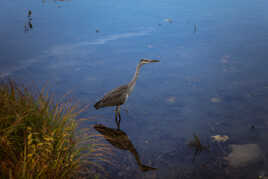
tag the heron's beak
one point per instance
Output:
(154, 61)
(151, 61)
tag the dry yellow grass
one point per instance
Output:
(38, 137)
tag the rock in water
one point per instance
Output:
(243, 155)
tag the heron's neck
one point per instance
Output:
(132, 83)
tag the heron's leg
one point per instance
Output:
(115, 117)
(117, 108)
(118, 124)
(119, 117)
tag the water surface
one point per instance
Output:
(212, 78)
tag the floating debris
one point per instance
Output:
(215, 100)
(243, 155)
(168, 20)
(171, 99)
(219, 138)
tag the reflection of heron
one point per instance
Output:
(120, 140)
(118, 96)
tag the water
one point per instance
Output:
(212, 78)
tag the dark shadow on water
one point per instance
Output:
(119, 139)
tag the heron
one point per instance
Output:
(119, 96)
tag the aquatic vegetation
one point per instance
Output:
(197, 146)
(28, 25)
(38, 137)
(29, 13)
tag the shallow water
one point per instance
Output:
(212, 78)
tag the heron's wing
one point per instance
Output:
(113, 98)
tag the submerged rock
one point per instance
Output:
(243, 155)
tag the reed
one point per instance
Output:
(38, 137)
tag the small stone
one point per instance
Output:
(215, 100)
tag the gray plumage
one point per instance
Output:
(116, 97)
(119, 96)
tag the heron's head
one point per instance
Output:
(145, 61)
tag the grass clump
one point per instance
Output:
(37, 135)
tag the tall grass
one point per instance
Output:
(38, 136)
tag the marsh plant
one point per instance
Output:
(38, 137)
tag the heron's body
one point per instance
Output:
(116, 97)
(119, 96)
